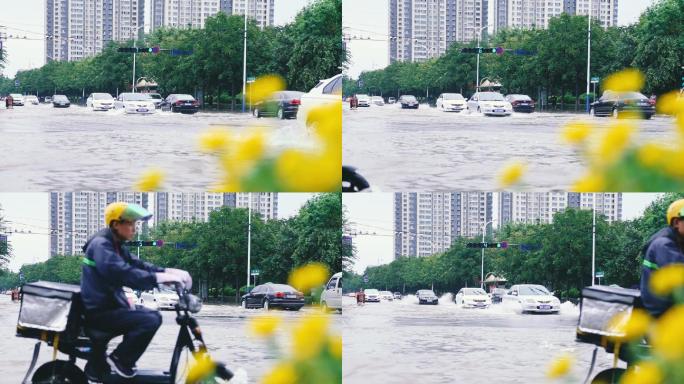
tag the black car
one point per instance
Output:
(179, 103)
(408, 101)
(282, 104)
(272, 295)
(521, 103)
(60, 101)
(614, 103)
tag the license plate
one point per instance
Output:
(141, 110)
(499, 110)
(544, 307)
(291, 296)
(479, 304)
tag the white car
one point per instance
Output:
(489, 103)
(451, 102)
(531, 298)
(473, 298)
(331, 297)
(17, 99)
(33, 99)
(372, 295)
(427, 296)
(135, 103)
(378, 100)
(156, 299)
(386, 295)
(363, 100)
(327, 91)
(100, 101)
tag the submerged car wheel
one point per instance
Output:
(265, 305)
(616, 114)
(243, 304)
(281, 115)
(608, 376)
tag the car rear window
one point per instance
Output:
(282, 288)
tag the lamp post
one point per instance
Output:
(477, 78)
(589, 61)
(244, 59)
(484, 230)
(135, 40)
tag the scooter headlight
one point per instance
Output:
(191, 303)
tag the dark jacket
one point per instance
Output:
(660, 250)
(107, 268)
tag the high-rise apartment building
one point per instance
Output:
(539, 207)
(198, 206)
(77, 29)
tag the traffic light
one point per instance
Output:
(153, 243)
(127, 50)
(503, 244)
(139, 50)
(482, 50)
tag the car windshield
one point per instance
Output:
(15, 95)
(102, 96)
(362, 95)
(155, 96)
(426, 292)
(533, 290)
(282, 288)
(632, 95)
(453, 96)
(409, 98)
(289, 95)
(135, 97)
(473, 291)
(60, 98)
(519, 97)
(371, 291)
(491, 96)
(183, 97)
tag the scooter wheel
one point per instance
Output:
(59, 372)
(608, 376)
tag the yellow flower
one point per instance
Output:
(666, 279)
(264, 326)
(651, 154)
(624, 81)
(306, 172)
(560, 367)
(201, 369)
(630, 327)
(283, 373)
(309, 276)
(214, 140)
(671, 103)
(592, 182)
(252, 147)
(576, 132)
(150, 180)
(667, 337)
(264, 87)
(336, 346)
(646, 372)
(511, 174)
(309, 336)
(615, 141)
(327, 123)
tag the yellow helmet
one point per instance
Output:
(125, 211)
(676, 209)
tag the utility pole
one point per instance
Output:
(593, 243)
(589, 62)
(244, 60)
(249, 238)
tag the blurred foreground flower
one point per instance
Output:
(665, 280)
(632, 326)
(316, 353)
(624, 81)
(265, 326)
(646, 372)
(150, 181)
(202, 369)
(511, 174)
(264, 87)
(309, 276)
(577, 132)
(667, 337)
(560, 367)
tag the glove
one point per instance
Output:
(184, 276)
(168, 278)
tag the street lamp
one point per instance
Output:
(244, 59)
(484, 230)
(589, 58)
(477, 79)
(135, 40)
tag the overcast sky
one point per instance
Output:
(27, 18)
(29, 212)
(369, 19)
(374, 213)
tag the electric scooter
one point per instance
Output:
(92, 342)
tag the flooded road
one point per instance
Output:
(404, 342)
(225, 329)
(430, 150)
(45, 148)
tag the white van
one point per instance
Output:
(331, 298)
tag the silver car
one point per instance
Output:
(427, 296)
(489, 103)
(531, 298)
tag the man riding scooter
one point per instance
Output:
(663, 248)
(107, 267)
